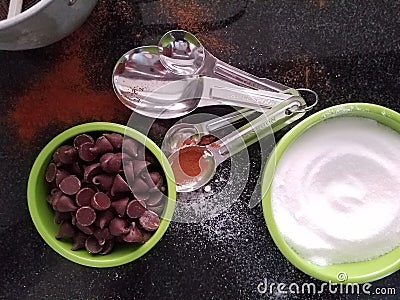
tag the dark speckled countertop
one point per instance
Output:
(347, 51)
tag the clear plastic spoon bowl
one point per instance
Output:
(142, 83)
(183, 54)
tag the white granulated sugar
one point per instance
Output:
(207, 188)
(219, 194)
(335, 193)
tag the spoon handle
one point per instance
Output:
(259, 128)
(214, 125)
(243, 97)
(234, 75)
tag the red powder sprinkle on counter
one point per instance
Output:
(63, 96)
(190, 16)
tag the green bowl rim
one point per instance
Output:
(74, 255)
(320, 272)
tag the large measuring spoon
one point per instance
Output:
(143, 84)
(183, 54)
(207, 158)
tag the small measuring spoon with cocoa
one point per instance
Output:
(194, 165)
(184, 134)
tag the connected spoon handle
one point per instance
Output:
(257, 129)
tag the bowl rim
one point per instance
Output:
(32, 11)
(34, 207)
(25, 14)
(358, 272)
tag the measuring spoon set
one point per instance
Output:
(179, 75)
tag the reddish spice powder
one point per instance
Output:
(63, 97)
(190, 16)
(189, 160)
(207, 139)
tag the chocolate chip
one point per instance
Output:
(130, 147)
(119, 186)
(85, 229)
(100, 201)
(92, 245)
(70, 185)
(91, 171)
(135, 209)
(65, 155)
(64, 204)
(81, 139)
(59, 216)
(103, 181)
(115, 163)
(85, 152)
(104, 218)
(66, 230)
(84, 196)
(60, 175)
(118, 227)
(153, 179)
(139, 166)
(149, 221)
(102, 235)
(102, 145)
(115, 139)
(146, 235)
(120, 206)
(54, 193)
(134, 235)
(75, 169)
(79, 241)
(110, 162)
(51, 172)
(129, 172)
(140, 186)
(73, 218)
(85, 216)
(108, 246)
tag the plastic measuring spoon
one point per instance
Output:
(143, 84)
(183, 54)
(181, 133)
(210, 156)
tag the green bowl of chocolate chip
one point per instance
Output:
(43, 214)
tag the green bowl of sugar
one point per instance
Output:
(330, 194)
